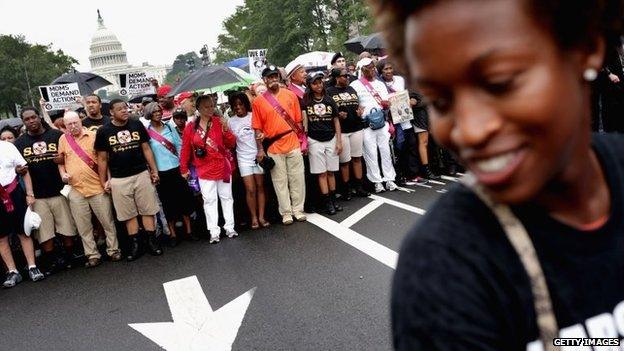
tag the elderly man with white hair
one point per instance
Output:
(80, 171)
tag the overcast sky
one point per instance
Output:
(151, 31)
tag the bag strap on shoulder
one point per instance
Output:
(521, 241)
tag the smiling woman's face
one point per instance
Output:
(503, 96)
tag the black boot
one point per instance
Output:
(427, 173)
(359, 189)
(334, 201)
(153, 244)
(328, 205)
(346, 193)
(135, 249)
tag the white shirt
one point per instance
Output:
(398, 85)
(367, 100)
(10, 157)
(246, 148)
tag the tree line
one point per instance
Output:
(289, 28)
(24, 67)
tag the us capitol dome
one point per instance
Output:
(108, 59)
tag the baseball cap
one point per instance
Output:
(271, 69)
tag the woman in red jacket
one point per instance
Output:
(208, 153)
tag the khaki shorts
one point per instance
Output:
(352, 146)
(322, 156)
(133, 196)
(55, 218)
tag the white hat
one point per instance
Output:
(292, 67)
(31, 221)
(364, 62)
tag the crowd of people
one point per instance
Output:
(117, 177)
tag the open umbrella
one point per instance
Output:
(315, 59)
(355, 44)
(139, 98)
(87, 82)
(373, 42)
(14, 123)
(213, 79)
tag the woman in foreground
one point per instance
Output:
(508, 83)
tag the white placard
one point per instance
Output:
(60, 96)
(400, 107)
(135, 84)
(257, 61)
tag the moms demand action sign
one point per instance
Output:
(60, 96)
(136, 83)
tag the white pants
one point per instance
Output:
(212, 191)
(374, 139)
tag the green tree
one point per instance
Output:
(25, 67)
(291, 27)
(180, 68)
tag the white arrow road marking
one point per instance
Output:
(416, 184)
(407, 190)
(436, 182)
(452, 179)
(370, 247)
(195, 326)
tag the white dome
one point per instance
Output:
(106, 50)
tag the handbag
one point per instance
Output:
(376, 119)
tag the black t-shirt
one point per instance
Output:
(94, 124)
(39, 151)
(460, 285)
(347, 101)
(321, 119)
(123, 144)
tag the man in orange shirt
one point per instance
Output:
(287, 174)
(87, 193)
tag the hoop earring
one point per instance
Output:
(590, 74)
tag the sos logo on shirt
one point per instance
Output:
(40, 151)
(124, 140)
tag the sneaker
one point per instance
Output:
(391, 186)
(12, 278)
(360, 192)
(231, 233)
(214, 239)
(419, 180)
(287, 220)
(379, 188)
(35, 274)
(93, 262)
(300, 217)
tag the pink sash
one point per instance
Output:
(371, 90)
(162, 140)
(81, 153)
(295, 89)
(229, 165)
(303, 139)
(5, 195)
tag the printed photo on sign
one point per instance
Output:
(60, 96)
(257, 61)
(135, 84)
(400, 107)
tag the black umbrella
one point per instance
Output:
(373, 42)
(213, 79)
(355, 44)
(14, 123)
(87, 82)
(139, 98)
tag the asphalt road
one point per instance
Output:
(314, 290)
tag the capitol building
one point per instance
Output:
(108, 59)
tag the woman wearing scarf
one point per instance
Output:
(205, 143)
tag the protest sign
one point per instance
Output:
(135, 84)
(60, 96)
(257, 61)
(400, 107)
